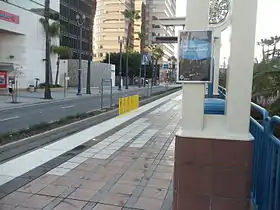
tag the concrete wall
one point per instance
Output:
(24, 41)
(98, 71)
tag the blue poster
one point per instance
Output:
(195, 56)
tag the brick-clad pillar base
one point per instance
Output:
(212, 174)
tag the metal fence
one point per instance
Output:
(265, 191)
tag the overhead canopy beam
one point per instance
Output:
(177, 21)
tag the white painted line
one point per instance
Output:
(68, 107)
(9, 118)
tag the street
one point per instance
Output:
(23, 117)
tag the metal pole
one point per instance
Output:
(120, 70)
(126, 70)
(145, 69)
(111, 93)
(109, 58)
(139, 79)
(65, 80)
(152, 82)
(101, 105)
(80, 62)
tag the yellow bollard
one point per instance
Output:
(125, 104)
(120, 106)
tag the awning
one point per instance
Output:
(9, 67)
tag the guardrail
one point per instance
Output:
(265, 191)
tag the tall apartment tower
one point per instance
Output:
(156, 9)
(109, 25)
(139, 25)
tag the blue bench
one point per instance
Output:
(214, 106)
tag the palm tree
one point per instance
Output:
(173, 61)
(62, 52)
(131, 15)
(53, 31)
(48, 60)
(142, 36)
(157, 53)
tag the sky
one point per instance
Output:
(267, 23)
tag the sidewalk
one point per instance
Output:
(127, 168)
(58, 95)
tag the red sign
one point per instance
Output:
(3, 79)
(9, 17)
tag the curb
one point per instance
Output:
(52, 101)
(19, 147)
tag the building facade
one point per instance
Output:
(22, 41)
(110, 24)
(139, 26)
(71, 33)
(156, 9)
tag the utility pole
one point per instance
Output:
(120, 41)
(80, 22)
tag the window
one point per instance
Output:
(100, 54)
(100, 46)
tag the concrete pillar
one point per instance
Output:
(240, 73)
(217, 49)
(213, 153)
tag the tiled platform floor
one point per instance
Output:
(130, 170)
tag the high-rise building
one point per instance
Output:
(139, 26)
(69, 9)
(109, 25)
(156, 9)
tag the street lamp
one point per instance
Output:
(80, 22)
(120, 41)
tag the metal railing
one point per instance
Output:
(265, 191)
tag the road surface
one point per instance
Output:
(23, 117)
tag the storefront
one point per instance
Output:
(6, 70)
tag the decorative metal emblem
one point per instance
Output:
(218, 11)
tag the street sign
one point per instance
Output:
(145, 59)
(167, 39)
(165, 66)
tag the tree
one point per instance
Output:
(266, 76)
(157, 54)
(173, 62)
(53, 31)
(62, 52)
(46, 25)
(134, 59)
(131, 15)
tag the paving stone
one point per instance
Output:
(106, 207)
(82, 194)
(68, 204)
(52, 190)
(157, 193)
(36, 201)
(6, 207)
(15, 198)
(115, 199)
(148, 204)
(123, 189)
(33, 187)
(159, 183)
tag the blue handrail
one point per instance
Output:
(265, 191)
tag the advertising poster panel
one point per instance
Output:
(195, 56)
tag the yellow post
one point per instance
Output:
(120, 106)
(132, 102)
(125, 104)
(137, 101)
